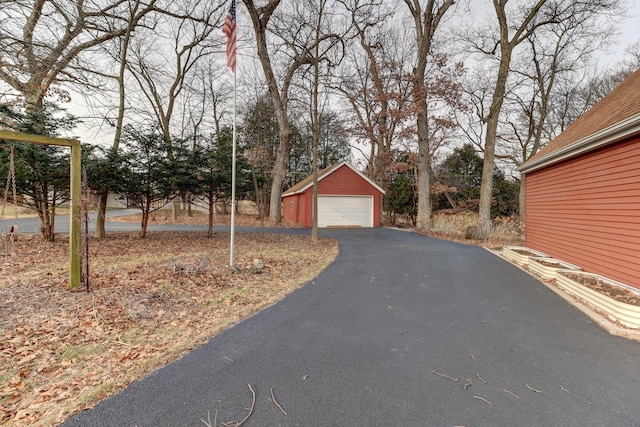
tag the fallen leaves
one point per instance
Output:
(62, 351)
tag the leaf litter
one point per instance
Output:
(150, 301)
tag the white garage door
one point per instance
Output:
(345, 211)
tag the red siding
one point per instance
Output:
(342, 181)
(293, 215)
(586, 211)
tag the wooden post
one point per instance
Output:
(75, 190)
(74, 215)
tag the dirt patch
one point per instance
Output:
(524, 252)
(150, 301)
(618, 293)
(547, 263)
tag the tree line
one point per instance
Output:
(417, 92)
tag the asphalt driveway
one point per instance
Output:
(373, 340)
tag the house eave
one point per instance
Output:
(621, 130)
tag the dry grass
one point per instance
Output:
(504, 231)
(163, 216)
(151, 300)
(10, 211)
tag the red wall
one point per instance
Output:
(343, 181)
(296, 214)
(586, 211)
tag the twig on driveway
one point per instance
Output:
(455, 380)
(481, 379)
(514, 395)
(533, 389)
(253, 405)
(564, 389)
(273, 398)
(208, 422)
(483, 399)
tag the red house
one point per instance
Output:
(346, 198)
(583, 189)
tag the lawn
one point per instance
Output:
(150, 301)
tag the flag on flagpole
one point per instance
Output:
(229, 29)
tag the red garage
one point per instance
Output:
(346, 198)
(583, 189)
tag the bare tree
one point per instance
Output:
(163, 61)
(43, 45)
(118, 51)
(514, 28)
(376, 83)
(41, 42)
(260, 135)
(200, 109)
(524, 25)
(558, 52)
(426, 21)
(212, 91)
(295, 50)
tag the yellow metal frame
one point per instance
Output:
(75, 190)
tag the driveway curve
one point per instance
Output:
(405, 330)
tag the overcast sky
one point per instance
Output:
(630, 30)
(629, 27)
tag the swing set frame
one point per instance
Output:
(75, 191)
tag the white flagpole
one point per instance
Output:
(230, 29)
(233, 180)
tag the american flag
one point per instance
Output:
(229, 29)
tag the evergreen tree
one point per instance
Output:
(42, 172)
(462, 170)
(148, 177)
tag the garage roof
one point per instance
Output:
(303, 185)
(614, 117)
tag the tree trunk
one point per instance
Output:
(426, 23)
(486, 188)
(279, 171)
(260, 201)
(506, 50)
(211, 210)
(34, 101)
(279, 97)
(316, 124)
(423, 218)
(48, 225)
(100, 232)
(102, 214)
(175, 208)
(145, 217)
(262, 215)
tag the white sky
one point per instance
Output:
(630, 33)
(629, 27)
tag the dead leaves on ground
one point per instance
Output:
(62, 351)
